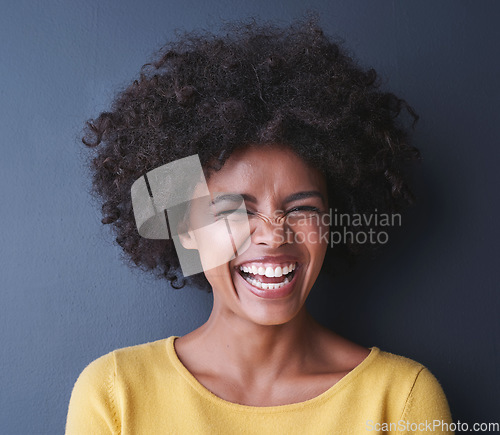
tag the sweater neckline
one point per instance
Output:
(315, 401)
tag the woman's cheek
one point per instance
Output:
(215, 245)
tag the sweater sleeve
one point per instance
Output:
(426, 409)
(92, 407)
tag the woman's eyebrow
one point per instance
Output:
(237, 197)
(233, 197)
(304, 195)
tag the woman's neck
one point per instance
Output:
(245, 351)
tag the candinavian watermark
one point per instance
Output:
(335, 228)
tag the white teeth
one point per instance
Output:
(266, 286)
(269, 271)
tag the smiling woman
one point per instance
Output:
(285, 126)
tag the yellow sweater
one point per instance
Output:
(146, 389)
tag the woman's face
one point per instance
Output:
(280, 254)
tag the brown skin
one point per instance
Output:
(267, 352)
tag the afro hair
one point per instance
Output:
(212, 93)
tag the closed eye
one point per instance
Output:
(240, 211)
(303, 208)
(234, 211)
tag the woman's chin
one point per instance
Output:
(268, 307)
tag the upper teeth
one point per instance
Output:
(269, 271)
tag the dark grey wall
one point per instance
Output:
(66, 298)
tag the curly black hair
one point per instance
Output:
(211, 93)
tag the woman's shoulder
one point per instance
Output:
(400, 377)
(95, 400)
(396, 366)
(392, 371)
(126, 360)
(144, 354)
(393, 363)
(374, 369)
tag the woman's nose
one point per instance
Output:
(271, 231)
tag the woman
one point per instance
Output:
(286, 127)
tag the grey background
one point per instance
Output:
(66, 297)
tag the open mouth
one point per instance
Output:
(267, 277)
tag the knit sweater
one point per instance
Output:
(146, 389)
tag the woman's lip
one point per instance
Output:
(275, 293)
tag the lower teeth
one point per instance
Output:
(266, 286)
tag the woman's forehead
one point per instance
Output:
(267, 165)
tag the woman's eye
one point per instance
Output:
(304, 209)
(302, 214)
(237, 211)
